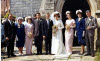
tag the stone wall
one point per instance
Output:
(24, 7)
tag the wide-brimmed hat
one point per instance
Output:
(78, 11)
(68, 12)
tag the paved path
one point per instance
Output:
(33, 57)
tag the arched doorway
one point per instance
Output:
(73, 5)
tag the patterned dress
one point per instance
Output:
(69, 36)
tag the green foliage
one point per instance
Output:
(6, 16)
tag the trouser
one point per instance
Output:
(38, 43)
(90, 43)
(10, 47)
(48, 45)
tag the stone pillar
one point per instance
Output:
(98, 29)
(47, 6)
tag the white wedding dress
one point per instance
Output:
(57, 47)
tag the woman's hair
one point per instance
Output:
(70, 14)
(79, 13)
(29, 19)
(19, 18)
(57, 14)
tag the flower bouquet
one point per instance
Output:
(54, 29)
(29, 34)
(67, 27)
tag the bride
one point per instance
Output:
(57, 47)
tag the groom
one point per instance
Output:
(48, 31)
(39, 32)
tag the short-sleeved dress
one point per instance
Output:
(69, 36)
(20, 34)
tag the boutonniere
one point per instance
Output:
(90, 20)
(13, 22)
(40, 20)
(18, 26)
(80, 19)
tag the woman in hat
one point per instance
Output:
(80, 30)
(29, 35)
(20, 35)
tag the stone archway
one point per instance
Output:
(92, 4)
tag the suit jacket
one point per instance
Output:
(48, 29)
(92, 22)
(9, 30)
(38, 27)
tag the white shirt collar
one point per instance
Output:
(9, 21)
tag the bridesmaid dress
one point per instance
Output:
(69, 36)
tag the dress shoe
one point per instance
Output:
(92, 55)
(87, 54)
(46, 54)
(13, 55)
(37, 53)
(8, 56)
(81, 53)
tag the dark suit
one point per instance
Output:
(48, 32)
(9, 31)
(89, 35)
(39, 33)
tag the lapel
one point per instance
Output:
(40, 21)
(86, 21)
(8, 22)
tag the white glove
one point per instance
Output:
(76, 33)
(83, 34)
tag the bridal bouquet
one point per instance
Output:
(54, 29)
(29, 34)
(67, 27)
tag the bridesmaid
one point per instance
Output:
(80, 30)
(20, 35)
(69, 33)
(29, 35)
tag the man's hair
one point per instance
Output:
(48, 13)
(34, 15)
(37, 13)
(88, 11)
(9, 14)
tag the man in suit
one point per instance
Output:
(48, 32)
(39, 32)
(90, 25)
(9, 31)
